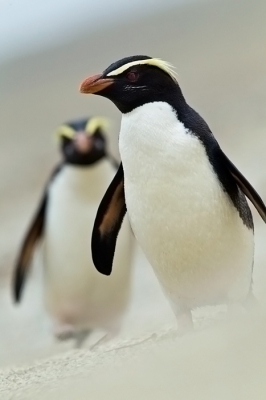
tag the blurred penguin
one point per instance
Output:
(77, 297)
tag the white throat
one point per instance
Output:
(153, 132)
(150, 123)
(90, 181)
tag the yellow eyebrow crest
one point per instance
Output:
(156, 62)
(96, 123)
(66, 131)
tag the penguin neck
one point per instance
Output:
(153, 134)
(92, 179)
(149, 127)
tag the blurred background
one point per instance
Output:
(47, 49)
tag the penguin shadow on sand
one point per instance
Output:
(77, 298)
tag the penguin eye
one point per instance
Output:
(132, 76)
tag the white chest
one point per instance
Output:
(74, 196)
(74, 289)
(184, 221)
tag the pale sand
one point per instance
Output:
(219, 51)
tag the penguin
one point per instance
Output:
(186, 201)
(77, 298)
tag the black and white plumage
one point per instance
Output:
(185, 199)
(77, 297)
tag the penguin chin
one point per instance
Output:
(69, 151)
(99, 145)
(83, 159)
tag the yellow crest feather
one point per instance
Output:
(156, 62)
(92, 125)
(64, 130)
(95, 123)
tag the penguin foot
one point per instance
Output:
(64, 332)
(183, 315)
(185, 323)
(81, 338)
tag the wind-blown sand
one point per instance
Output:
(226, 361)
(219, 50)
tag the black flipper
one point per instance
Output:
(32, 237)
(245, 187)
(107, 224)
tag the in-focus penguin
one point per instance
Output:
(185, 199)
(77, 297)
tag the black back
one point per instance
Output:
(198, 127)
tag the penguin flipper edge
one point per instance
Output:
(246, 187)
(109, 218)
(31, 239)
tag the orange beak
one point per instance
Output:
(94, 84)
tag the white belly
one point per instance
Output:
(191, 233)
(76, 293)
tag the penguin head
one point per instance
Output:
(134, 81)
(82, 141)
